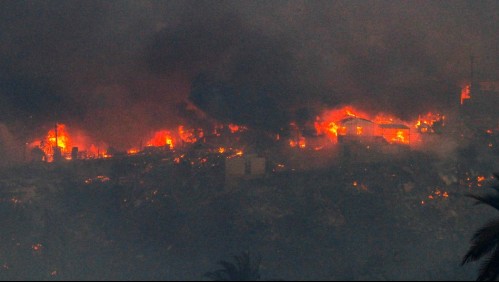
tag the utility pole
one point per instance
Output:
(56, 137)
(57, 151)
(472, 74)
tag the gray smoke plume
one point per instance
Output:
(10, 148)
(120, 69)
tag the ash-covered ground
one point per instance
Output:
(148, 217)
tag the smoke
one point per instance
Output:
(10, 149)
(120, 69)
(267, 62)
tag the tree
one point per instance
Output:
(486, 240)
(243, 270)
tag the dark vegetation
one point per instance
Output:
(146, 218)
(485, 241)
(243, 269)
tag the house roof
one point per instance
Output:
(394, 126)
(350, 119)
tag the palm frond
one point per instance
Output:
(496, 185)
(490, 268)
(242, 270)
(491, 200)
(485, 240)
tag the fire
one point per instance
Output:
(348, 121)
(429, 122)
(170, 139)
(350, 113)
(133, 151)
(299, 143)
(61, 137)
(37, 247)
(480, 180)
(465, 93)
(234, 128)
(70, 144)
(182, 135)
(57, 139)
(189, 135)
(400, 137)
(385, 119)
(438, 194)
(161, 139)
(297, 139)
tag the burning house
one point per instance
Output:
(396, 133)
(479, 102)
(355, 128)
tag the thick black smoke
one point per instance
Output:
(264, 64)
(120, 69)
(238, 74)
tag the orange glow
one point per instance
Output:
(234, 128)
(63, 140)
(327, 124)
(236, 153)
(465, 93)
(480, 180)
(438, 194)
(133, 151)
(297, 140)
(299, 143)
(332, 124)
(425, 123)
(37, 247)
(401, 137)
(161, 139)
(349, 112)
(189, 135)
(385, 119)
(359, 130)
(66, 141)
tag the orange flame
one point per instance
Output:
(401, 137)
(63, 140)
(465, 93)
(234, 128)
(425, 123)
(330, 125)
(189, 135)
(161, 139)
(299, 143)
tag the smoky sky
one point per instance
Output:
(119, 69)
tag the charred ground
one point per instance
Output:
(145, 217)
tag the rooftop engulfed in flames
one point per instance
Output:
(332, 126)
